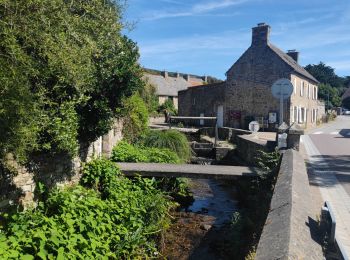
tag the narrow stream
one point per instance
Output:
(201, 230)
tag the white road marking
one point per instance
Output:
(334, 133)
(318, 133)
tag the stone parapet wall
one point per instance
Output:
(249, 146)
(287, 232)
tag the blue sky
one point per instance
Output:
(206, 37)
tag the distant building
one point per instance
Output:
(168, 84)
(246, 93)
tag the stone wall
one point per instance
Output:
(248, 147)
(289, 230)
(59, 169)
(201, 100)
(224, 133)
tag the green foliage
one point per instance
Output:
(332, 86)
(170, 139)
(149, 96)
(176, 187)
(65, 68)
(326, 75)
(330, 95)
(168, 106)
(135, 116)
(100, 174)
(79, 223)
(125, 152)
(268, 162)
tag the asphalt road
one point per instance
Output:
(333, 143)
(328, 150)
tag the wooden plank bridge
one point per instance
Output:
(187, 171)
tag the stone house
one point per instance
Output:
(246, 93)
(168, 84)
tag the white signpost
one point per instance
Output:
(254, 126)
(282, 89)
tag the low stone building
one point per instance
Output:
(168, 84)
(246, 93)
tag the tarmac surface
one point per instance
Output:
(328, 160)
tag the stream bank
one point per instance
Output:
(203, 230)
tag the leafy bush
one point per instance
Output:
(168, 105)
(62, 77)
(171, 139)
(78, 222)
(135, 116)
(176, 187)
(125, 152)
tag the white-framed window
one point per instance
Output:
(308, 91)
(301, 88)
(316, 97)
(295, 114)
(295, 86)
(302, 114)
(292, 114)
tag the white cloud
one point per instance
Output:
(224, 42)
(197, 9)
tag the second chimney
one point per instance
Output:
(261, 34)
(294, 54)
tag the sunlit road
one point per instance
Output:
(328, 149)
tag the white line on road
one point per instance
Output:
(334, 133)
(318, 133)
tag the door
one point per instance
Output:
(220, 116)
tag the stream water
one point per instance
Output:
(201, 230)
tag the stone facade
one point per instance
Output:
(52, 171)
(246, 93)
(202, 100)
(168, 84)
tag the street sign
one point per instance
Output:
(282, 89)
(254, 126)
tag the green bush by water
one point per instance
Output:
(125, 152)
(117, 218)
(176, 187)
(171, 139)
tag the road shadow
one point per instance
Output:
(345, 133)
(322, 168)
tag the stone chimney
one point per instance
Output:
(187, 77)
(261, 34)
(165, 74)
(177, 75)
(294, 54)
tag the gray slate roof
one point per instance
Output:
(167, 86)
(292, 63)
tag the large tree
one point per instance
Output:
(64, 69)
(332, 86)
